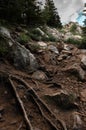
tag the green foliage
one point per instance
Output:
(83, 43)
(29, 12)
(3, 47)
(73, 28)
(21, 11)
(73, 41)
(45, 38)
(50, 14)
(83, 31)
(35, 37)
(34, 47)
(52, 38)
(79, 43)
(23, 38)
(36, 32)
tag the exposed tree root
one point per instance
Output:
(42, 113)
(29, 126)
(63, 125)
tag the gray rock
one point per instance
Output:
(83, 62)
(71, 36)
(39, 75)
(53, 49)
(62, 57)
(76, 70)
(66, 47)
(83, 95)
(5, 32)
(66, 52)
(42, 45)
(41, 32)
(68, 35)
(23, 58)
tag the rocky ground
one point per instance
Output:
(42, 89)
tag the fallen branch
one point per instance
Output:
(29, 126)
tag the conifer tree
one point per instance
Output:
(11, 9)
(51, 15)
(33, 12)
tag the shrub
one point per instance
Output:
(34, 47)
(83, 43)
(79, 43)
(73, 28)
(23, 38)
(36, 32)
(52, 38)
(45, 38)
(3, 47)
(73, 41)
(35, 37)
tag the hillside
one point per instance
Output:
(42, 78)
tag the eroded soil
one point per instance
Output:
(42, 113)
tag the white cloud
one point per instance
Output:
(68, 10)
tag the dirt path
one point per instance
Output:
(39, 115)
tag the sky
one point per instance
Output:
(68, 9)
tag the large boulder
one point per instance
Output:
(69, 35)
(39, 75)
(23, 58)
(76, 70)
(20, 56)
(55, 33)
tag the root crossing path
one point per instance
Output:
(36, 113)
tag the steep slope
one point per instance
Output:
(51, 96)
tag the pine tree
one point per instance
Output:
(11, 10)
(51, 15)
(33, 12)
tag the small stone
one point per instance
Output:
(21, 86)
(42, 45)
(66, 47)
(66, 52)
(83, 95)
(39, 75)
(53, 49)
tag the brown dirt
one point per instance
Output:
(11, 117)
